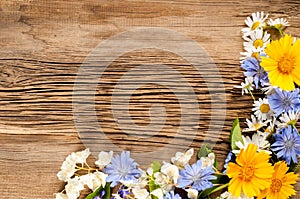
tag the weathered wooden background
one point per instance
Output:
(43, 44)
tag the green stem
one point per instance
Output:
(251, 94)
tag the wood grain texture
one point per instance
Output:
(43, 44)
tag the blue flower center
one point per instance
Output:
(289, 144)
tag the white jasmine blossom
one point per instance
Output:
(181, 159)
(227, 195)
(104, 159)
(140, 193)
(68, 168)
(159, 193)
(73, 188)
(208, 161)
(81, 156)
(192, 193)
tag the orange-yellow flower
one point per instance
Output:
(283, 62)
(251, 174)
(281, 186)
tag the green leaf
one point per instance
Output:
(205, 194)
(236, 134)
(97, 192)
(155, 166)
(204, 151)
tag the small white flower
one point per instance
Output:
(104, 159)
(262, 109)
(271, 126)
(159, 193)
(257, 21)
(140, 193)
(81, 156)
(259, 139)
(278, 23)
(87, 179)
(172, 171)
(258, 39)
(68, 168)
(73, 188)
(289, 118)
(99, 180)
(248, 85)
(181, 159)
(227, 195)
(255, 124)
(208, 161)
(61, 196)
(192, 193)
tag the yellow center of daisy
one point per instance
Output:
(258, 43)
(257, 126)
(264, 108)
(255, 55)
(255, 25)
(248, 171)
(276, 185)
(286, 65)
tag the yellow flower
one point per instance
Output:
(281, 183)
(283, 62)
(251, 174)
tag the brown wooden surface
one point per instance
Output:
(43, 44)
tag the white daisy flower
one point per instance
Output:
(278, 23)
(289, 118)
(248, 85)
(262, 109)
(259, 139)
(257, 39)
(250, 51)
(255, 22)
(255, 124)
(268, 89)
(271, 127)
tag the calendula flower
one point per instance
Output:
(253, 69)
(251, 173)
(262, 109)
(278, 23)
(284, 101)
(121, 168)
(256, 21)
(257, 39)
(282, 181)
(287, 144)
(196, 176)
(283, 62)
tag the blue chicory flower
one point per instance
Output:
(230, 158)
(253, 69)
(172, 195)
(122, 168)
(287, 144)
(284, 101)
(196, 176)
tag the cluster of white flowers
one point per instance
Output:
(76, 162)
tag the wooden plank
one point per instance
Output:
(43, 44)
